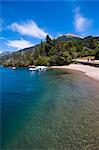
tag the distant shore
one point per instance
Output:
(90, 71)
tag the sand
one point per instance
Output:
(90, 71)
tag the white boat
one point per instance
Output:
(13, 68)
(39, 68)
(32, 69)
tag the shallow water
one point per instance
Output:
(55, 109)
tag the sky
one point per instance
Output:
(25, 23)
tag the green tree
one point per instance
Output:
(97, 54)
(42, 60)
(48, 39)
(64, 58)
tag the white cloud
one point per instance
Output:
(19, 44)
(81, 23)
(29, 28)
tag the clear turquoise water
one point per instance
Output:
(55, 109)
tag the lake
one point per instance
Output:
(53, 109)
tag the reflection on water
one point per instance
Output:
(56, 109)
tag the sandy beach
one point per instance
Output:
(88, 70)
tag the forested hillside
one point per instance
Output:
(60, 51)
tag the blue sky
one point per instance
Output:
(25, 23)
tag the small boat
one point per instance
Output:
(32, 69)
(40, 68)
(13, 68)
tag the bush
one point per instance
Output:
(53, 60)
(64, 58)
(97, 54)
(42, 60)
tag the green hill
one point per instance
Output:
(60, 51)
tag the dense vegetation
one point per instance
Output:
(97, 54)
(60, 51)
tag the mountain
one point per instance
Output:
(58, 51)
(4, 53)
(68, 37)
(72, 35)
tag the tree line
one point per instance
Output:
(54, 52)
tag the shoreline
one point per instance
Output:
(90, 71)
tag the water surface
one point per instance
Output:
(55, 109)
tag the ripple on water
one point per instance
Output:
(56, 110)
